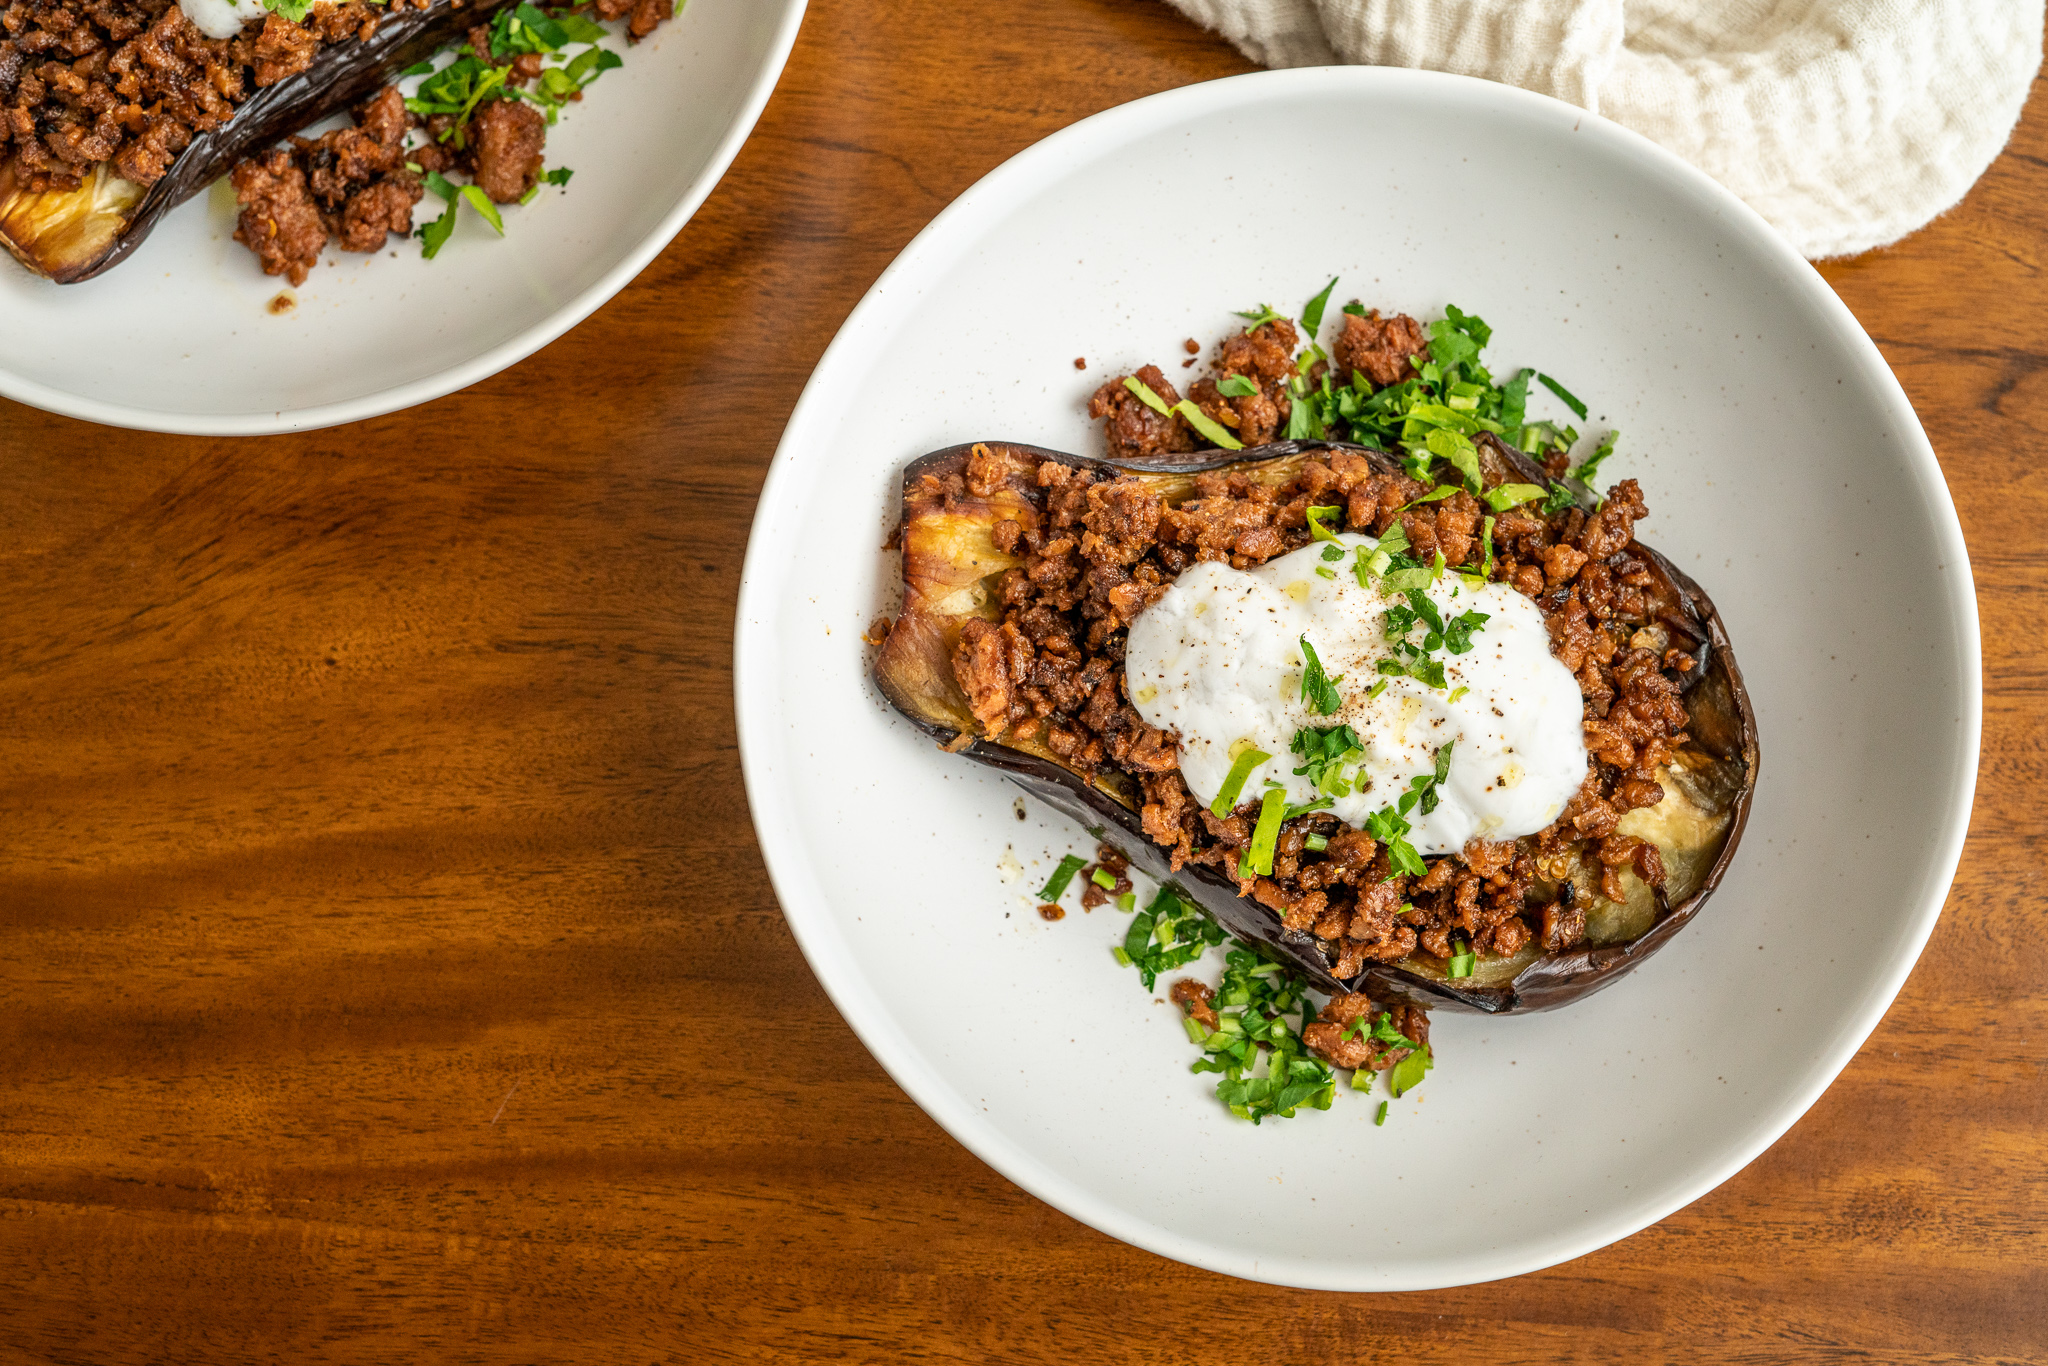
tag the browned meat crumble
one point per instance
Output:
(1052, 668)
(131, 81)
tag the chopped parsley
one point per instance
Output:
(1587, 472)
(1233, 781)
(1429, 420)
(1325, 751)
(1056, 885)
(1236, 386)
(1415, 660)
(1318, 689)
(456, 91)
(1389, 825)
(1318, 531)
(1560, 498)
(1312, 311)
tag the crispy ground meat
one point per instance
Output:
(131, 81)
(349, 184)
(507, 137)
(279, 220)
(1326, 1037)
(1051, 668)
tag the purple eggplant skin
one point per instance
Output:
(343, 74)
(946, 566)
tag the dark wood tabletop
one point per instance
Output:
(388, 972)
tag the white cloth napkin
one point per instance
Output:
(1846, 123)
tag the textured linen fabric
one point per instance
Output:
(1846, 123)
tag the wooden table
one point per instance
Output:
(387, 971)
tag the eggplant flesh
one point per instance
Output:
(951, 571)
(73, 235)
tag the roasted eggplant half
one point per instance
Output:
(73, 235)
(952, 571)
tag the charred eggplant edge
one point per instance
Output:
(342, 74)
(1550, 981)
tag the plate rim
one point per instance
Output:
(899, 1057)
(503, 356)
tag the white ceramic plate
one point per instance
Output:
(180, 337)
(1783, 467)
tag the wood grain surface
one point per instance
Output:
(387, 971)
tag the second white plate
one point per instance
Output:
(181, 336)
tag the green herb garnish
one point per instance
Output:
(1389, 825)
(1236, 386)
(1103, 878)
(1233, 781)
(1170, 932)
(1266, 835)
(1056, 886)
(1312, 311)
(1147, 397)
(1324, 754)
(1570, 401)
(1512, 495)
(1206, 425)
(1318, 689)
(1318, 531)
(1252, 1005)
(1586, 473)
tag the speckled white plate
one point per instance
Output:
(181, 336)
(1783, 468)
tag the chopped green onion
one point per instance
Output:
(1146, 396)
(1441, 491)
(1056, 885)
(1316, 843)
(1512, 495)
(1461, 961)
(1127, 903)
(1233, 782)
(1325, 571)
(1316, 529)
(1381, 1117)
(1376, 689)
(1407, 1074)
(1457, 693)
(1207, 425)
(1272, 810)
(1578, 408)
(1103, 878)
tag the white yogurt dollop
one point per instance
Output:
(221, 18)
(1217, 660)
